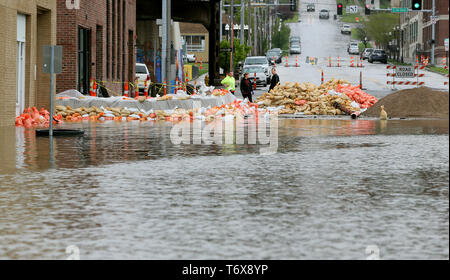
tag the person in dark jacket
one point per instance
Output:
(275, 79)
(247, 87)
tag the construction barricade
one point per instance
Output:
(395, 74)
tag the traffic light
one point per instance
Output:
(367, 12)
(339, 9)
(416, 5)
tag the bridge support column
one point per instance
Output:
(214, 44)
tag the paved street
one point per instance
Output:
(322, 38)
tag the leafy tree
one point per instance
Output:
(280, 39)
(379, 27)
(239, 54)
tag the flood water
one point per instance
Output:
(124, 191)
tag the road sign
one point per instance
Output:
(433, 19)
(48, 57)
(446, 44)
(226, 50)
(258, 5)
(404, 72)
(352, 9)
(399, 10)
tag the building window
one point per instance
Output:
(195, 43)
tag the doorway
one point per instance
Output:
(20, 64)
(84, 61)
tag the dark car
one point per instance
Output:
(274, 56)
(311, 8)
(378, 55)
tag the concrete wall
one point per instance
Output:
(41, 30)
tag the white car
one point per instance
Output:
(189, 57)
(256, 72)
(259, 61)
(346, 29)
(353, 48)
(142, 75)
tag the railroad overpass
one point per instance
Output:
(205, 12)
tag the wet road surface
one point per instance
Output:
(125, 191)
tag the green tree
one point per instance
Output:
(379, 27)
(280, 39)
(239, 54)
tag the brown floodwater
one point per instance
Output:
(125, 191)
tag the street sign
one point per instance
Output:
(226, 50)
(47, 59)
(404, 72)
(352, 9)
(258, 5)
(433, 19)
(446, 44)
(399, 10)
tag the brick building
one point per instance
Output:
(441, 28)
(26, 26)
(98, 42)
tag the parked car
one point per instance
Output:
(378, 55)
(311, 7)
(324, 14)
(274, 56)
(259, 61)
(365, 53)
(353, 48)
(258, 72)
(295, 49)
(346, 29)
(278, 50)
(142, 75)
(189, 58)
(294, 39)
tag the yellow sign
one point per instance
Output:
(188, 72)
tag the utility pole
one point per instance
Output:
(232, 35)
(255, 35)
(242, 21)
(433, 31)
(166, 25)
(250, 31)
(221, 20)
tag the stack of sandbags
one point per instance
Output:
(306, 98)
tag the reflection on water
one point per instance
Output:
(123, 190)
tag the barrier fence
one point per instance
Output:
(417, 75)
